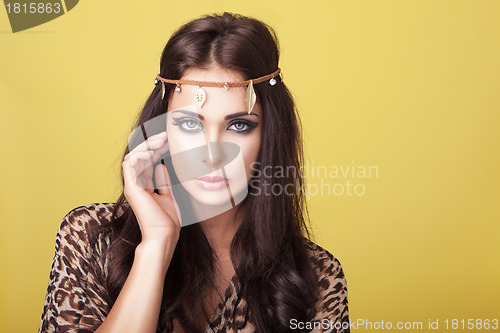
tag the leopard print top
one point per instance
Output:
(76, 300)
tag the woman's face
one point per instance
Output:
(213, 146)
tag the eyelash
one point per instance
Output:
(250, 125)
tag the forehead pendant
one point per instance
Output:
(250, 97)
(200, 95)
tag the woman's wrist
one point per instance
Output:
(156, 251)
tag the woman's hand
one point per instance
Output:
(157, 213)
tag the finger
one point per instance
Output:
(143, 160)
(145, 177)
(171, 194)
(139, 166)
(165, 197)
(141, 155)
(162, 180)
(135, 179)
(152, 142)
(128, 174)
(152, 154)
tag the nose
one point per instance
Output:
(215, 149)
(217, 155)
(212, 134)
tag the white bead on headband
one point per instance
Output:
(201, 96)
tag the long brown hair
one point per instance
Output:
(268, 250)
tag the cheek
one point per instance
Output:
(250, 153)
(250, 150)
(180, 141)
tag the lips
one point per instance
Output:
(212, 183)
(212, 179)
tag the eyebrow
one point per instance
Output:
(240, 114)
(227, 117)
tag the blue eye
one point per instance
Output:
(187, 124)
(242, 126)
(239, 126)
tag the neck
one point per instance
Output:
(220, 230)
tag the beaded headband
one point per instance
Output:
(201, 96)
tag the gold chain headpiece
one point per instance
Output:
(201, 96)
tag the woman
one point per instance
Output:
(241, 261)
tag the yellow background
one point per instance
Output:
(411, 87)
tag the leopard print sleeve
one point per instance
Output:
(76, 300)
(331, 309)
